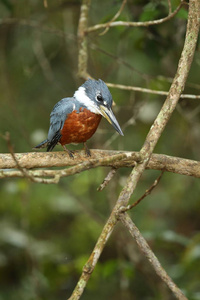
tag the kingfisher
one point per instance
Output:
(74, 120)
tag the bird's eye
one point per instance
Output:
(99, 98)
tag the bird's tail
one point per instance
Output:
(42, 144)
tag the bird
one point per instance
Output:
(74, 120)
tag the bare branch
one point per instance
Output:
(82, 40)
(32, 160)
(107, 179)
(115, 17)
(170, 6)
(10, 148)
(92, 261)
(148, 91)
(23, 171)
(146, 250)
(170, 103)
(134, 24)
(119, 11)
(147, 149)
(84, 165)
(60, 159)
(147, 192)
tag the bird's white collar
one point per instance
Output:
(81, 97)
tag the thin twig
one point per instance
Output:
(147, 192)
(170, 6)
(107, 179)
(115, 17)
(135, 24)
(148, 91)
(117, 59)
(119, 11)
(10, 148)
(23, 171)
(146, 250)
(143, 75)
(41, 56)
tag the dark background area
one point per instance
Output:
(47, 232)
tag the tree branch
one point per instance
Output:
(92, 261)
(152, 138)
(148, 91)
(147, 192)
(146, 250)
(170, 103)
(134, 24)
(22, 171)
(99, 158)
(107, 179)
(115, 17)
(82, 40)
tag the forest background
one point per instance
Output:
(49, 230)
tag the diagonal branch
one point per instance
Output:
(107, 179)
(169, 105)
(152, 138)
(92, 261)
(115, 17)
(147, 192)
(146, 250)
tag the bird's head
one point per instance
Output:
(95, 96)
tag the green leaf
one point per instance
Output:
(182, 14)
(149, 13)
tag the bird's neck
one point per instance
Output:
(81, 96)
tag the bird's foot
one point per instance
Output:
(87, 150)
(70, 152)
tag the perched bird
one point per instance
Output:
(75, 119)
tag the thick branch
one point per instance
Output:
(61, 159)
(152, 137)
(168, 107)
(92, 261)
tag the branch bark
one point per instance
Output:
(32, 160)
(82, 39)
(145, 158)
(134, 24)
(148, 91)
(146, 250)
(152, 138)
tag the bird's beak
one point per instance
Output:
(109, 115)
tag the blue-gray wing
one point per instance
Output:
(57, 120)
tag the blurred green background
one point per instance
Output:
(47, 232)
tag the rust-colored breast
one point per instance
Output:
(79, 127)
